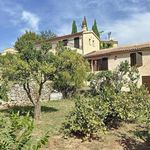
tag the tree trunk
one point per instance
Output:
(37, 111)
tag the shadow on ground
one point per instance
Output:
(23, 110)
(131, 143)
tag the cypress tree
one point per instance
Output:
(74, 27)
(95, 29)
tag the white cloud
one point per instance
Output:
(132, 30)
(31, 19)
(18, 16)
(64, 29)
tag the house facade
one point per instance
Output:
(136, 55)
(83, 42)
(8, 50)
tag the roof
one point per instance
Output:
(109, 41)
(123, 49)
(59, 38)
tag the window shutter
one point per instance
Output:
(133, 59)
(139, 59)
(104, 64)
(99, 64)
(76, 42)
(136, 59)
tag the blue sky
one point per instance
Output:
(128, 20)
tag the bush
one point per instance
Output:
(3, 90)
(134, 105)
(16, 133)
(108, 104)
(86, 120)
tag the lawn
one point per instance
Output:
(53, 115)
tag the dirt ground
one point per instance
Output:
(124, 138)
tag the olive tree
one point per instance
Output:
(30, 68)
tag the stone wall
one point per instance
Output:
(17, 93)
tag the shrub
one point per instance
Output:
(86, 120)
(16, 133)
(134, 105)
(109, 105)
(3, 90)
(108, 86)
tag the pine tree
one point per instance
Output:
(74, 27)
(95, 29)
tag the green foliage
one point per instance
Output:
(111, 104)
(16, 133)
(104, 45)
(95, 29)
(26, 39)
(71, 71)
(108, 85)
(123, 76)
(74, 27)
(32, 67)
(134, 105)
(4, 90)
(29, 65)
(86, 120)
(47, 34)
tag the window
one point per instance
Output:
(76, 42)
(136, 59)
(139, 59)
(93, 43)
(89, 41)
(101, 64)
(65, 42)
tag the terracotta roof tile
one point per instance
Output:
(122, 49)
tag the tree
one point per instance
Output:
(95, 29)
(47, 34)
(71, 72)
(74, 27)
(25, 39)
(104, 45)
(109, 105)
(30, 68)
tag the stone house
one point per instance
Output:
(9, 50)
(88, 44)
(136, 55)
(83, 42)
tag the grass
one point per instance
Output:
(52, 121)
(127, 137)
(53, 115)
